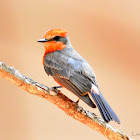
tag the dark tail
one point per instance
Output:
(106, 111)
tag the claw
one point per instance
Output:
(77, 101)
(55, 89)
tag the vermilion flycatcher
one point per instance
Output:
(73, 72)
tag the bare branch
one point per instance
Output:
(61, 101)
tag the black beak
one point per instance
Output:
(42, 40)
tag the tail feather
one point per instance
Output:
(106, 111)
(103, 110)
(114, 116)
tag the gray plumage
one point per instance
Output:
(72, 71)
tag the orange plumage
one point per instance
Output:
(55, 32)
(52, 46)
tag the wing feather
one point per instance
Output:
(70, 73)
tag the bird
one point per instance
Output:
(72, 71)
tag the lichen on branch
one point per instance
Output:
(61, 101)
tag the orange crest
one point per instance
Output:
(55, 32)
(52, 46)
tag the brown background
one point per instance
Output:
(105, 33)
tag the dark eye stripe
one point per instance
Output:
(59, 39)
(56, 38)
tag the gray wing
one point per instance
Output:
(71, 71)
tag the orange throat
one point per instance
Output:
(53, 46)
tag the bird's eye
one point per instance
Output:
(56, 38)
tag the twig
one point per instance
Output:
(61, 101)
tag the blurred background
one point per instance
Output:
(105, 33)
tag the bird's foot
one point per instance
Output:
(77, 101)
(55, 89)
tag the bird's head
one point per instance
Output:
(54, 39)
